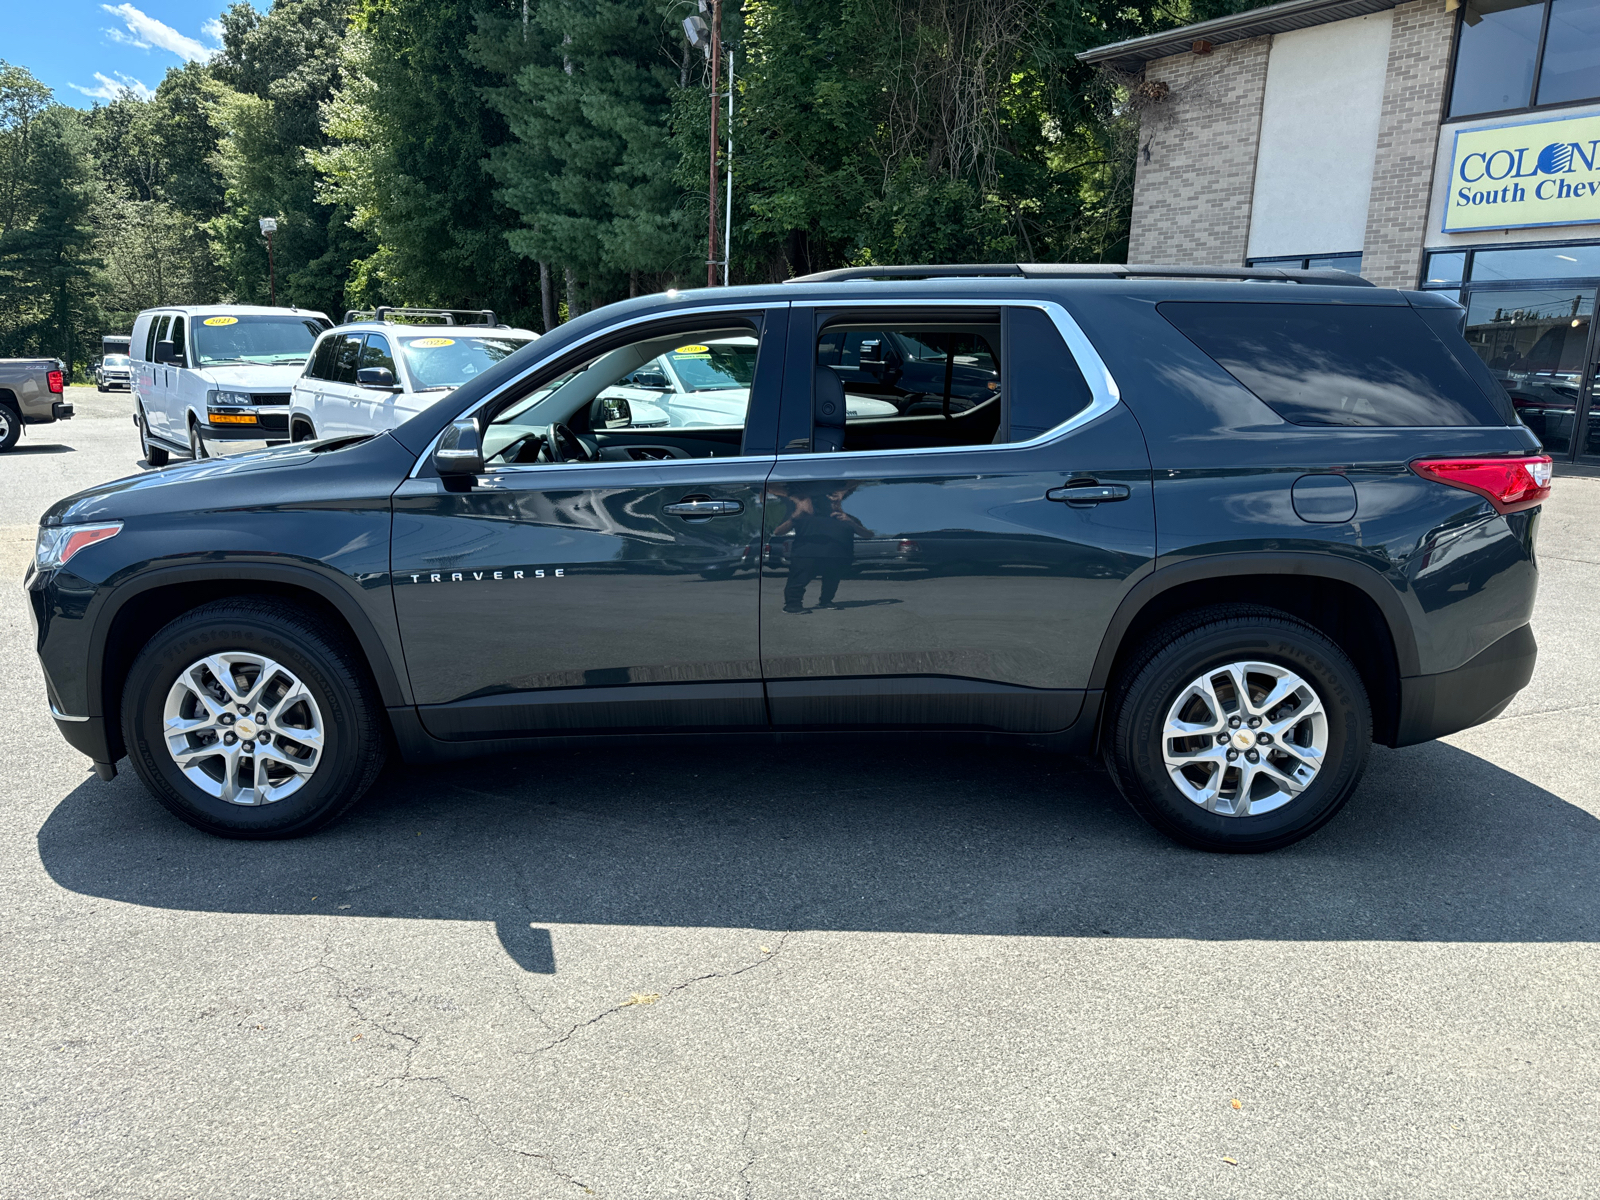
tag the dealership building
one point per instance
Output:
(1447, 144)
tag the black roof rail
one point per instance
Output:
(447, 316)
(1082, 271)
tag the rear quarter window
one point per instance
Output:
(1338, 364)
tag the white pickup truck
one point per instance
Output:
(31, 393)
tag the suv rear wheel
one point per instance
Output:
(1238, 729)
(249, 719)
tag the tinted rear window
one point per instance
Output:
(1337, 364)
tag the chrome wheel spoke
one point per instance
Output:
(211, 717)
(1245, 738)
(230, 789)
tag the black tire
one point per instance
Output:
(153, 454)
(10, 427)
(197, 445)
(320, 655)
(303, 433)
(1183, 651)
(100, 387)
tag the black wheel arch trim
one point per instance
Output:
(381, 658)
(1226, 566)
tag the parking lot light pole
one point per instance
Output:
(269, 226)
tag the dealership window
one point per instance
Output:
(1452, 268)
(1515, 55)
(1350, 262)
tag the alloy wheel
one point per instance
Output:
(1245, 738)
(243, 728)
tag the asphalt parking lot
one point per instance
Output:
(803, 971)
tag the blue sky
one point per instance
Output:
(86, 49)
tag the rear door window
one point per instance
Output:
(346, 357)
(322, 359)
(1338, 364)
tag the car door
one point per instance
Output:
(157, 395)
(954, 568)
(338, 397)
(306, 396)
(607, 595)
(378, 408)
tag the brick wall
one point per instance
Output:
(1197, 157)
(1408, 134)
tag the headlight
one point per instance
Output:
(233, 398)
(58, 543)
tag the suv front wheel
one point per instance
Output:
(252, 719)
(1238, 729)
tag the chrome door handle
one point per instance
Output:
(1082, 495)
(699, 507)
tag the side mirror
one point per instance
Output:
(613, 412)
(168, 354)
(375, 377)
(460, 450)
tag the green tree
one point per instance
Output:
(48, 268)
(279, 69)
(22, 99)
(408, 143)
(587, 93)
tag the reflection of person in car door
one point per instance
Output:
(824, 543)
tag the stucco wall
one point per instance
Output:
(1319, 127)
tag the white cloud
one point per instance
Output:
(145, 31)
(111, 89)
(212, 29)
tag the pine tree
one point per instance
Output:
(47, 261)
(587, 94)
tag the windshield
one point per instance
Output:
(262, 341)
(116, 360)
(706, 368)
(447, 362)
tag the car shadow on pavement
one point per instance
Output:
(47, 449)
(1438, 845)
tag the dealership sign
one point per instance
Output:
(1514, 176)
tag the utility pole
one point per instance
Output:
(269, 226)
(727, 229)
(716, 78)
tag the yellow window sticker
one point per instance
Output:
(221, 321)
(430, 343)
(693, 350)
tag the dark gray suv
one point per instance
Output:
(1224, 530)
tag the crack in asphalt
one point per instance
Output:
(746, 1188)
(495, 1139)
(343, 991)
(671, 991)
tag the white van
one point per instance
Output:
(216, 378)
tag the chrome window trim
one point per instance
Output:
(605, 331)
(1102, 384)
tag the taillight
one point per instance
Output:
(1510, 484)
(56, 382)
